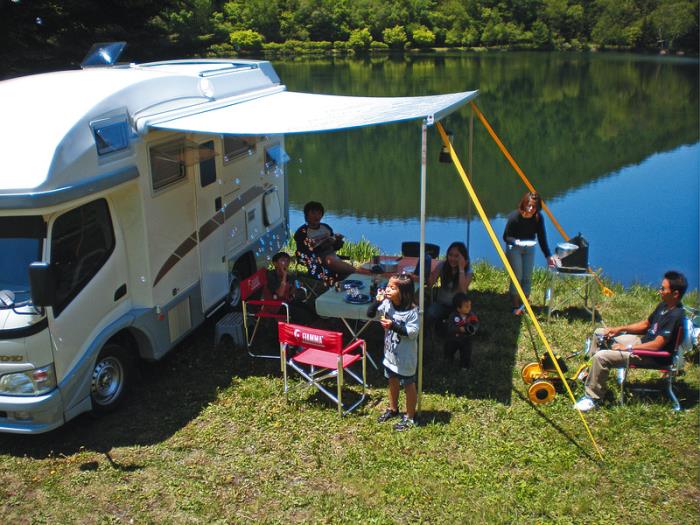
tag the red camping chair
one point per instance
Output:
(670, 364)
(259, 309)
(321, 356)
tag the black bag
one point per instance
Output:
(577, 261)
(547, 364)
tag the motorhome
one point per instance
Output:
(133, 199)
(135, 236)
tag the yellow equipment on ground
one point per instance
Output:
(543, 378)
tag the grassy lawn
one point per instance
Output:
(206, 437)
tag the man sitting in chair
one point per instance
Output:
(317, 246)
(658, 333)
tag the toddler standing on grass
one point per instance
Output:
(399, 318)
(462, 324)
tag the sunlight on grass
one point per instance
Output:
(206, 437)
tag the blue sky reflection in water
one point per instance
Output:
(640, 221)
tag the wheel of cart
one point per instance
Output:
(544, 381)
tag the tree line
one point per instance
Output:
(48, 31)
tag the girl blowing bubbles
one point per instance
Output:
(399, 318)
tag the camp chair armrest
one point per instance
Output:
(353, 346)
(652, 353)
(266, 302)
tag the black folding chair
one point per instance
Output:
(412, 249)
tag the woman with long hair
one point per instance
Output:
(523, 226)
(455, 276)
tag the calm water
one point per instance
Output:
(610, 141)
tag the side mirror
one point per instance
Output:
(42, 284)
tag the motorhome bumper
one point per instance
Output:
(31, 415)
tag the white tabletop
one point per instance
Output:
(333, 304)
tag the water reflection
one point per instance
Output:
(589, 123)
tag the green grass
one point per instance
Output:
(206, 437)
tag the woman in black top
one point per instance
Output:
(524, 224)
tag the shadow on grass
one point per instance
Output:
(169, 394)
(571, 439)
(494, 350)
(434, 417)
(574, 313)
(655, 390)
(165, 397)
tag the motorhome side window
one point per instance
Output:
(167, 164)
(81, 242)
(238, 146)
(207, 164)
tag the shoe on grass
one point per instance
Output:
(387, 415)
(585, 404)
(406, 423)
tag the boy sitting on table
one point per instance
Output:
(317, 246)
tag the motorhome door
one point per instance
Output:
(210, 218)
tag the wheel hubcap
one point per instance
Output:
(107, 381)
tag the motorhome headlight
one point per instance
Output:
(29, 383)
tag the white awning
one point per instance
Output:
(290, 112)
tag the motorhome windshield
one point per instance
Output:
(21, 241)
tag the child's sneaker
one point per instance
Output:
(406, 423)
(387, 415)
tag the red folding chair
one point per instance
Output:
(321, 356)
(259, 309)
(670, 364)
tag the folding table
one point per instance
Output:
(332, 303)
(563, 288)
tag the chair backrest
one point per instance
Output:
(306, 337)
(253, 284)
(685, 342)
(412, 249)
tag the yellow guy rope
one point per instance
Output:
(606, 291)
(513, 278)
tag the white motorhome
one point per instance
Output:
(132, 200)
(142, 233)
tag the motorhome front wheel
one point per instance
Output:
(109, 378)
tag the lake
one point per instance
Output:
(611, 141)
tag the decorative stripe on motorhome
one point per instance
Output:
(207, 229)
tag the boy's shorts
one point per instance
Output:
(403, 380)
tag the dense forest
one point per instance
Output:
(44, 33)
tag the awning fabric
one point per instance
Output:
(291, 112)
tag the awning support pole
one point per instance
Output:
(511, 274)
(471, 175)
(421, 259)
(606, 291)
